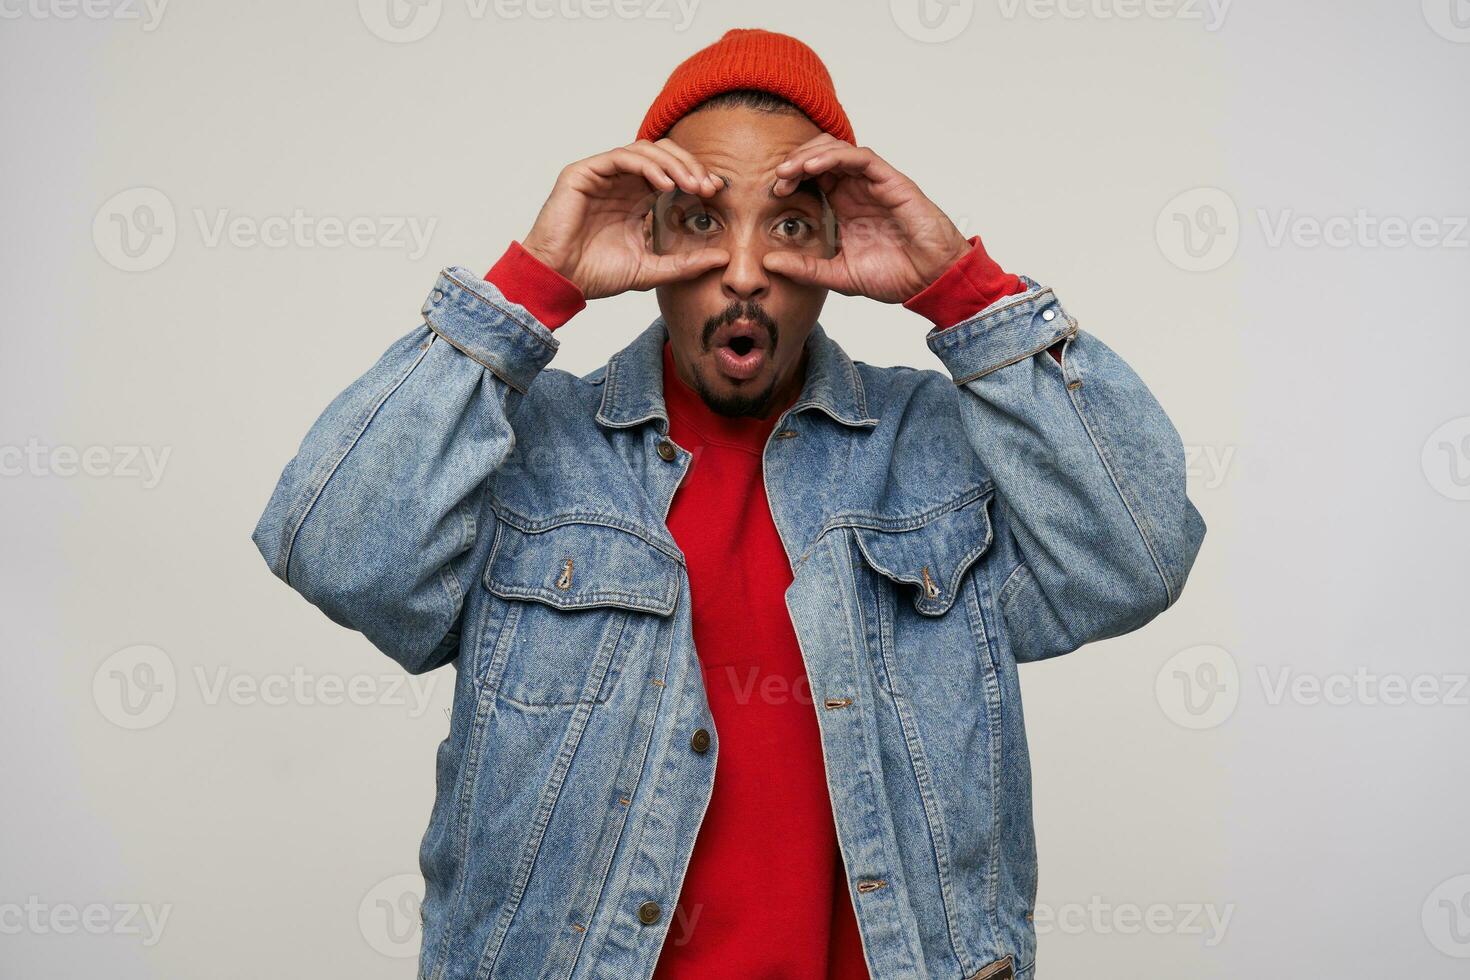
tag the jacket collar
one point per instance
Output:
(632, 390)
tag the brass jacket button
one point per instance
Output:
(648, 913)
(666, 451)
(699, 742)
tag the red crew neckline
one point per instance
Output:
(746, 432)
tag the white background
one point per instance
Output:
(1321, 385)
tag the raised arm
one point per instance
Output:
(375, 519)
(1095, 531)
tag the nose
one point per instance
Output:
(744, 278)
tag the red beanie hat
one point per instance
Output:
(770, 62)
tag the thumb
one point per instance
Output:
(807, 270)
(660, 270)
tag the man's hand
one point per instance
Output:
(591, 227)
(894, 240)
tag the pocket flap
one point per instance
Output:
(580, 565)
(931, 556)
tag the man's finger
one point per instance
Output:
(660, 270)
(856, 160)
(807, 270)
(675, 166)
(625, 161)
(700, 171)
(826, 164)
(817, 143)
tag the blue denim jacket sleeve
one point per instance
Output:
(1094, 531)
(376, 520)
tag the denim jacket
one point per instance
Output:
(463, 503)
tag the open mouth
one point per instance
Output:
(741, 349)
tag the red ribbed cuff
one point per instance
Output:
(968, 286)
(548, 295)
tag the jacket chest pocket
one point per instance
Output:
(577, 600)
(912, 574)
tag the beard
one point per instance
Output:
(756, 404)
(738, 405)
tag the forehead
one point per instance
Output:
(742, 144)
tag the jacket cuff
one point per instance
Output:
(547, 294)
(1010, 330)
(968, 286)
(474, 317)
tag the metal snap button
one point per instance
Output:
(438, 295)
(930, 589)
(649, 912)
(666, 451)
(699, 741)
(1049, 315)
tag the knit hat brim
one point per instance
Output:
(750, 59)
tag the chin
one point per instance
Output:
(727, 396)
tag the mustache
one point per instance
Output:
(738, 310)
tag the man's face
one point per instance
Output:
(738, 333)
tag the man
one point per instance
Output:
(734, 543)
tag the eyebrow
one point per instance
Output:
(807, 186)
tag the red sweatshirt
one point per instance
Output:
(765, 894)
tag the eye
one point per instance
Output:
(700, 222)
(793, 229)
